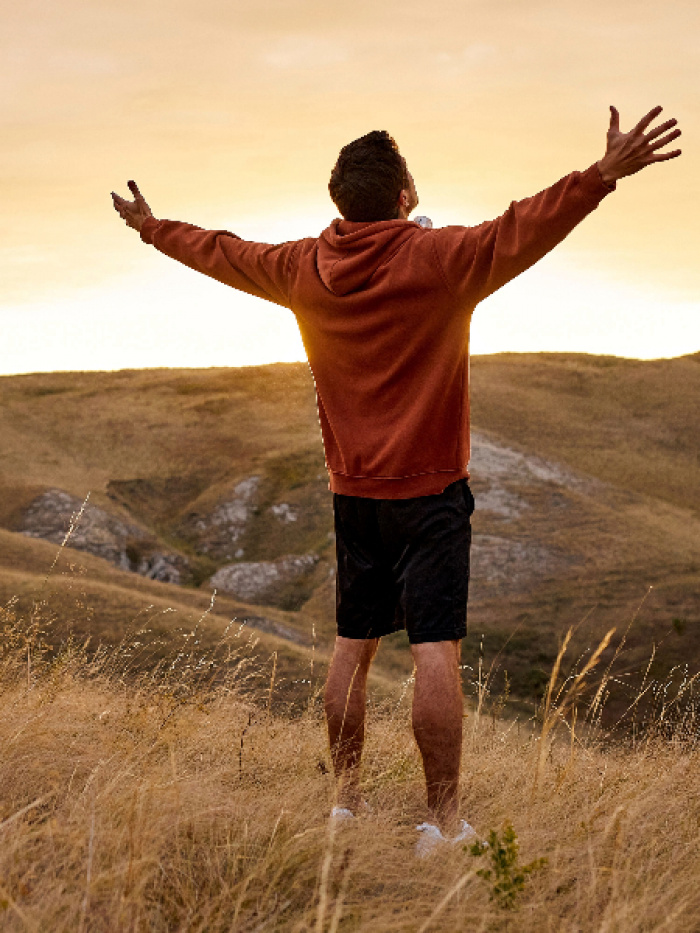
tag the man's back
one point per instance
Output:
(386, 338)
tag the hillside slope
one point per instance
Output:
(585, 471)
(632, 423)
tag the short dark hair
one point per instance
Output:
(368, 178)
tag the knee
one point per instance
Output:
(355, 653)
(442, 653)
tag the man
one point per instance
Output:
(384, 306)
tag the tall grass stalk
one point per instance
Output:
(556, 708)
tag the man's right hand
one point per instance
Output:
(628, 153)
(133, 212)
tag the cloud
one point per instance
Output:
(304, 51)
(472, 56)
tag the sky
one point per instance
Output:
(230, 115)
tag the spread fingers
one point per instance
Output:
(661, 129)
(665, 140)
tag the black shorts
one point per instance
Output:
(404, 563)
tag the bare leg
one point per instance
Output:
(345, 700)
(437, 725)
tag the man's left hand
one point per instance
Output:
(629, 153)
(132, 212)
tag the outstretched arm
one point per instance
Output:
(259, 269)
(479, 260)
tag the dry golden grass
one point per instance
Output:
(87, 598)
(78, 431)
(176, 799)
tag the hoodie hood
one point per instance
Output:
(349, 253)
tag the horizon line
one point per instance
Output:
(473, 356)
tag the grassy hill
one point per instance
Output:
(585, 471)
(60, 595)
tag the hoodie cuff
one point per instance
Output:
(148, 229)
(596, 179)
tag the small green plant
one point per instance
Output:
(507, 876)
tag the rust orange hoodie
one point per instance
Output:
(384, 310)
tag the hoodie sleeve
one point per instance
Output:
(259, 269)
(479, 260)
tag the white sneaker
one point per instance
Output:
(431, 837)
(345, 813)
(341, 814)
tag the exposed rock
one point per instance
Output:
(263, 579)
(496, 498)
(161, 567)
(50, 516)
(215, 532)
(284, 512)
(233, 514)
(509, 555)
(127, 546)
(501, 472)
(499, 461)
(510, 564)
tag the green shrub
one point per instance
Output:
(507, 877)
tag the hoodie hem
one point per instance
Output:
(395, 487)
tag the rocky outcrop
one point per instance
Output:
(55, 514)
(509, 565)
(167, 568)
(501, 473)
(521, 502)
(50, 517)
(499, 460)
(263, 581)
(216, 533)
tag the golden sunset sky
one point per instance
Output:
(231, 114)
